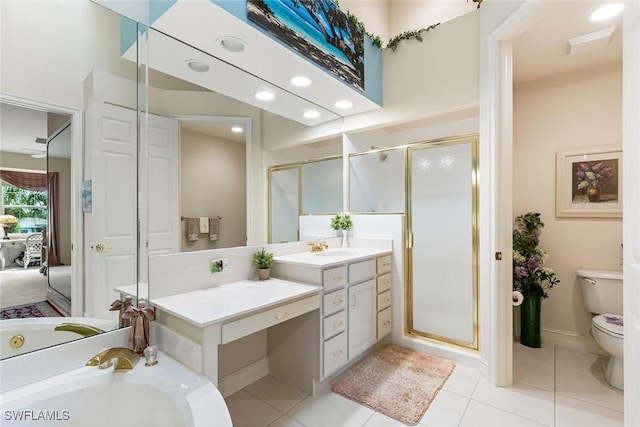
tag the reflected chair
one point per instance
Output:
(33, 251)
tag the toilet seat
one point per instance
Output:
(610, 324)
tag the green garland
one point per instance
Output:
(392, 43)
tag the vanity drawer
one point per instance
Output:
(335, 353)
(360, 271)
(247, 325)
(334, 301)
(384, 282)
(384, 300)
(384, 264)
(384, 323)
(334, 277)
(334, 324)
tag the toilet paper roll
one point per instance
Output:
(517, 298)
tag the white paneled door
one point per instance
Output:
(109, 205)
(631, 212)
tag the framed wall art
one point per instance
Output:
(589, 182)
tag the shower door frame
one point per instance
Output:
(409, 326)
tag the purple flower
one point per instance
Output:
(521, 272)
(533, 262)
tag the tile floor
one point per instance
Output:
(552, 386)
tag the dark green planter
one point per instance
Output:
(530, 321)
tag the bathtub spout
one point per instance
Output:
(79, 328)
(125, 359)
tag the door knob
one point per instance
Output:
(100, 247)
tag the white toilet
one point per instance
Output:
(602, 295)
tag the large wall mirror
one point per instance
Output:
(210, 168)
(69, 115)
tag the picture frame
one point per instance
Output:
(589, 182)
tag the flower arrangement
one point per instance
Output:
(591, 174)
(262, 259)
(342, 221)
(8, 220)
(530, 276)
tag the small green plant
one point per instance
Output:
(262, 259)
(341, 221)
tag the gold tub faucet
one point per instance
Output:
(125, 359)
(318, 247)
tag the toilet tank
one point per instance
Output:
(601, 290)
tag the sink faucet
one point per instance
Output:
(125, 359)
(318, 247)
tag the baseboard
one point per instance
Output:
(241, 378)
(571, 341)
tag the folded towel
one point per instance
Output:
(204, 224)
(193, 229)
(214, 229)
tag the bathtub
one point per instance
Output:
(38, 332)
(167, 394)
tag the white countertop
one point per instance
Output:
(330, 257)
(214, 305)
(141, 291)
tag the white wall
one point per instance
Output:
(48, 48)
(213, 183)
(576, 110)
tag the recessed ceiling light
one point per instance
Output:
(197, 65)
(231, 44)
(607, 11)
(344, 104)
(300, 81)
(263, 95)
(311, 114)
(236, 129)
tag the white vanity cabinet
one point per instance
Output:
(383, 299)
(355, 311)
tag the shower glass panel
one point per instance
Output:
(376, 181)
(284, 204)
(442, 293)
(322, 186)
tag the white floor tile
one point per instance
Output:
(533, 372)
(463, 381)
(379, 420)
(544, 354)
(276, 393)
(576, 413)
(330, 410)
(446, 410)
(522, 399)
(589, 388)
(285, 421)
(479, 414)
(248, 411)
(580, 361)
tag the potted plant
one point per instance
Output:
(263, 260)
(530, 276)
(342, 222)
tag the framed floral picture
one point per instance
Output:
(589, 182)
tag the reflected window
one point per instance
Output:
(28, 207)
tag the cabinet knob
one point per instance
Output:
(337, 324)
(282, 316)
(335, 302)
(337, 354)
(387, 322)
